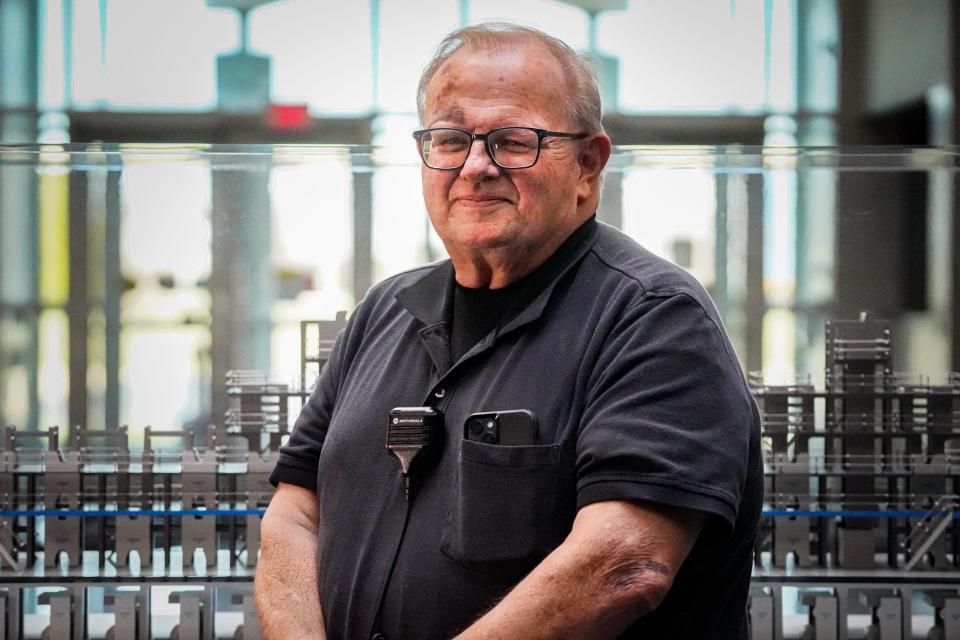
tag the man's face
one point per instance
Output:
(482, 207)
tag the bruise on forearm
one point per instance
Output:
(617, 565)
(629, 573)
(629, 568)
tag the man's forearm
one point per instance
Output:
(599, 581)
(563, 598)
(288, 603)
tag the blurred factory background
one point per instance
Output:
(126, 294)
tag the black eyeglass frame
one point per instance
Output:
(541, 134)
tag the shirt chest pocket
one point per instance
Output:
(503, 505)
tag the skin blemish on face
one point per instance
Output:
(445, 96)
(452, 113)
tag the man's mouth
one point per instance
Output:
(480, 201)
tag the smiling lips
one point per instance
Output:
(480, 201)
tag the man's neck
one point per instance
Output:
(483, 271)
(502, 266)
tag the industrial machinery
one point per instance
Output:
(107, 535)
(859, 537)
(862, 479)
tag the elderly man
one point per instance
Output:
(623, 498)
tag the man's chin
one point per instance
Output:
(486, 233)
(485, 241)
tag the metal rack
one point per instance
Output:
(181, 512)
(862, 482)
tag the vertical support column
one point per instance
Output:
(375, 54)
(817, 96)
(241, 282)
(11, 613)
(362, 168)
(955, 231)
(96, 173)
(19, 70)
(19, 252)
(607, 70)
(78, 307)
(940, 267)
(732, 260)
(721, 262)
(113, 288)
(755, 301)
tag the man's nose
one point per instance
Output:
(479, 166)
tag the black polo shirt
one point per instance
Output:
(638, 394)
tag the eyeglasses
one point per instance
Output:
(508, 147)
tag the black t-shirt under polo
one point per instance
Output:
(638, 395)
(476, 311)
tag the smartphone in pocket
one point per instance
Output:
(515, 427)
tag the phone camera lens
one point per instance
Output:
(476, 427)
(488, 438)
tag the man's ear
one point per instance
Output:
(593, 156)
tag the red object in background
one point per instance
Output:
(288, 116)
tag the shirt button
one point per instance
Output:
(439, 393)
(378, 636)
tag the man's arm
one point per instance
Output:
(617, 564)
(288, 603)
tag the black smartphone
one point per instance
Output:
(511, 428)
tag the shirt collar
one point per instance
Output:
(430, 297)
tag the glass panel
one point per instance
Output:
(134, 278)
(162, 374)
(672, 213)
(165, 233)
(312, 252)
(670, 200)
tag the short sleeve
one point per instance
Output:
(668, 417)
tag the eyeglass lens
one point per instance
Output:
(512, 148)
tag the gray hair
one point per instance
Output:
(583, 102)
